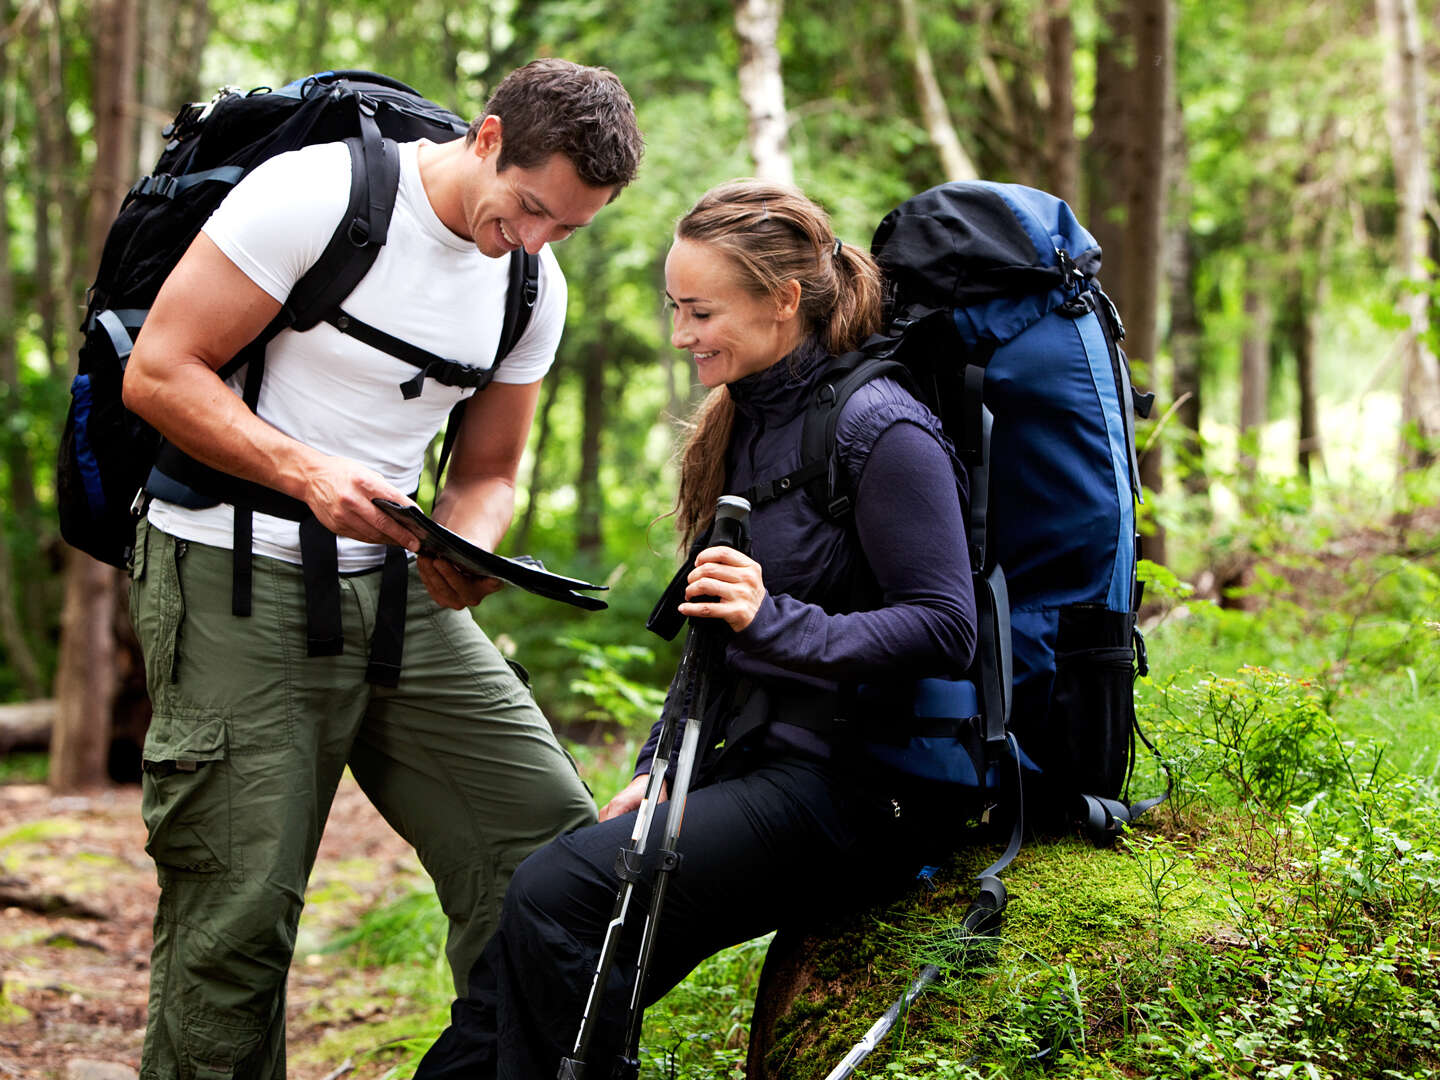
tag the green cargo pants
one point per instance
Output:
(247, 745)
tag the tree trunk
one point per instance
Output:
(1254, 370)
(757, 22)
(86, 683)
(57, 156)
(1310, 448)
(590, 508)
(1107, 153)
(1064, 151)
(115, 24)
(36, 35)
(1153, 24)
(1404, 71)
(1185, 327)
(18, 467)
(954, 161)
(520, 537)
(87, 678)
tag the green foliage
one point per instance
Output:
(24, 768)
(618, 701)
(1265, 734)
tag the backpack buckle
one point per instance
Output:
(358, 232)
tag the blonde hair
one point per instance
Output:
(773, 235)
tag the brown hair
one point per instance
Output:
(552, 106)
(773, 234)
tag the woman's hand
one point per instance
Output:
(725, 584)
(630, 797)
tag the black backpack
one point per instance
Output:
(108, 456)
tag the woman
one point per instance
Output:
(787, 819)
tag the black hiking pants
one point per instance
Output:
(784, 842)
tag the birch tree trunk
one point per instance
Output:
(1404, 77)
(1254, 367)
(757, 22)
(87, 678)
(1148, 186)
(954, 161)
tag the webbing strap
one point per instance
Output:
(993, 659)
(520, 297)
(978, 518)
(320, 563)
(760, 494)
(1017, 828)
(432, 366)
(241, 576)
(119, 336)
(388, 641)
(168, 186)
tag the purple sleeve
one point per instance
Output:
(912, 531)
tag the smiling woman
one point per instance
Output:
(729, 330)
(783, 805)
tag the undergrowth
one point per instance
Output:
(1276, 917)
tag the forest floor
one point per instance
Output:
(77, 895)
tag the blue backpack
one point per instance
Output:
(998, 324)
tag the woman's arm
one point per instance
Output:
(912, 531)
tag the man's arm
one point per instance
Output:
(205, 313)
(478, 499)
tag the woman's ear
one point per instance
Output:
(787, 304)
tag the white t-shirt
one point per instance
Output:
(427, 287)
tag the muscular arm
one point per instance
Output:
(478, 499)
(206, 311)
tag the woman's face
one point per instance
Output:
(727, 330)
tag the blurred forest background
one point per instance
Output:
(1261, 179)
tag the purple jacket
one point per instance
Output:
(882, 594)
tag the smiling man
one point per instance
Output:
(250, 734)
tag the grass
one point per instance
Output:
(1278, 918)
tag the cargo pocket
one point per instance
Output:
(1092, 707)
(186, 799)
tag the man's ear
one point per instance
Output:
(487, 138)
(788, 301)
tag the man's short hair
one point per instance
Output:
(554, 106)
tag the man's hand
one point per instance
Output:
(630, 797)
(340, 492)
(451, 587)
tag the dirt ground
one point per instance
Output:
(77, 895)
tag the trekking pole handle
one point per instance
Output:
(732, 523)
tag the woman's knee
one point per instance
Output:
(567, 881)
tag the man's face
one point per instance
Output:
(526, 208)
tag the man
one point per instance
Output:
(250, 735)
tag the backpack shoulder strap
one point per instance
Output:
(520, 298)
(348, 255)
(820, 473)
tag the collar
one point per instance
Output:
(780, 391)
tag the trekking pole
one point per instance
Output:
(981, 921)
(732, 515)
